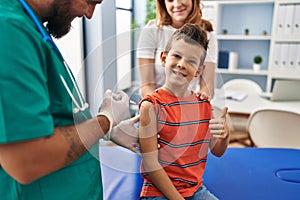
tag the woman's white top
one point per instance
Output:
(153, 40)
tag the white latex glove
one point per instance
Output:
(126, 134)
(115, 107)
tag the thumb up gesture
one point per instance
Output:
(218, 126)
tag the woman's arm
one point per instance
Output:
(148, 144)
(207, 81)
(147, 75)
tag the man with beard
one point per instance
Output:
(48, 138)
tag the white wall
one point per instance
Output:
(71, 47)
(140, 11)
(100, 60)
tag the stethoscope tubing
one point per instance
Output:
(47, 38)
(37, 23)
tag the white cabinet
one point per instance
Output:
(273, 32)
(285, 44)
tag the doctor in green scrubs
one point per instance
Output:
(48, 138)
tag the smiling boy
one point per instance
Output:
(176, 127)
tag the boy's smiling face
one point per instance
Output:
(182, 62)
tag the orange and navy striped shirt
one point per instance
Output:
(184, 139)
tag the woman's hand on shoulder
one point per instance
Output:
(203, 94)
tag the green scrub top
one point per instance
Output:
(33, 100)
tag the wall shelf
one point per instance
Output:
(284, 38)
(279, 20)
(243, 37)
(243, 71)
(285, 74)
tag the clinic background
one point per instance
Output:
(100, 60)
(101, 51)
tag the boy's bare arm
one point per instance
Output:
(149, 150)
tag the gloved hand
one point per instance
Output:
(115, 107)
(126, 134)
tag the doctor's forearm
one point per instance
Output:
(30, 160)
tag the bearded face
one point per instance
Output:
(59, 21)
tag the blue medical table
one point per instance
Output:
(254, 174)
(240, 174)
(120, 173)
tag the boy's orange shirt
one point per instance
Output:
(184, 140)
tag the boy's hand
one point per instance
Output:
(219, 127)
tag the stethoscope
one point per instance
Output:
(80, 106)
